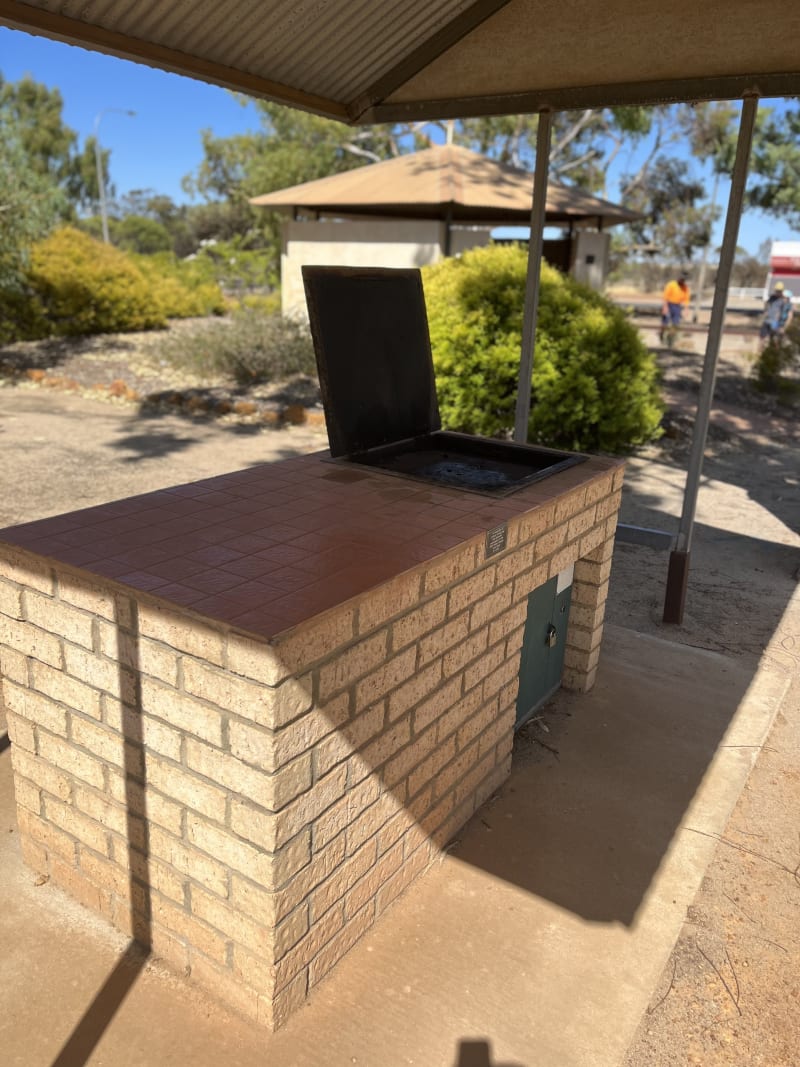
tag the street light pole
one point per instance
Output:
(98, 158)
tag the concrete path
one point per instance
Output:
(536, 942)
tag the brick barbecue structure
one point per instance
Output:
(246, 713)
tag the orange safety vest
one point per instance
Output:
(674, 294)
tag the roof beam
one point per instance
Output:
(718, 87)
(421, 57)
(74, 31)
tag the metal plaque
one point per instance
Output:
(496, 540)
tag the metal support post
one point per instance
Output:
(678, 574)
(535, 246)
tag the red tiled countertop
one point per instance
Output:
(269, 547)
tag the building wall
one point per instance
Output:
(590, 257)
(362, 243)
(249, 809)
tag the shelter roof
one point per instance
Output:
(443, 182)
(385, 60)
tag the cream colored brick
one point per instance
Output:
(345, 811)
(38, 710)
(619, 476)
(505, 673)
(155, 735)
(107, 744)
(508, 621)
(271, 908)
(13, 665)
(530, 580)
(95, 671)
(390, 599)
(300, 736)
(578, 681)
(352, 664)
(223, 846)
(501, 728)
(185, 714)
(450, 569)
(343, 878)
(104, 811)
(586, 616)
(341, 743)
(224, 984)
(534, 522)
(231, 922)
(593, 572)
(256, 972)
(584, 640)
(591, 540)
(289, 858)
(339, 945)
(50, 837)
(20, 731)
(456, 659)
(550, 542)
(59, 618)
(74, 823)
(167, 625)
(487, 663)
(387, 744)
(609, 507)
(412, 692)
(308, 807)
(10, 600)
(589, 595)
(73, 882)
(601, 554)
(247, 699)
(17, 566)
(59, 686)
(256, 660)
(391, 833)
(88, 595)
(413, 625)
(437, 704)
(299, 957)
(410, 870)
(202, 937)
(28, 795)
(469, 785)
(315, 640)
(476, 724)
(581, 523)
(459, 713)
(158, 661)
(577, 660)
(371, 821)
(187, 860)
(289, 932)
(599, 488)
(470, 590)
(274, 1013)
(270, 791)
(30, 641)
(428, 769)
(569, 504)
(33, 854)
(404, 762)
(143, 801)
(490, 607)
(437, 643)
(562, 559)
(103, 874)
(187, 789)
(513, 563)
(53, 781)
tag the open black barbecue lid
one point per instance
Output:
(373, 349)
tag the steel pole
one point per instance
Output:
(535, 245)
(101, 185)
(678, 574)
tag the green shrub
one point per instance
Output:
(249, 346)
(594, 382)
(184, 289)
(777, 360)
(81, 286)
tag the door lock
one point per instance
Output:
(552, 636)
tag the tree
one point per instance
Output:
(775, 168)
(30, 205)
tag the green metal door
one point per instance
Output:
(543, 643)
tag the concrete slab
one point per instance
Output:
(536, 941)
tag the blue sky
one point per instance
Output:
(161, 144)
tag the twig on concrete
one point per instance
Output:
(749, 851)
(550, 748)
(739, 906)
(654, 1009)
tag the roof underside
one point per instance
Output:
(386, 60)
(448, 182)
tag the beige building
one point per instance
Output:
(417, 208)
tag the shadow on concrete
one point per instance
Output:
(472, 1053)
(99, 1015)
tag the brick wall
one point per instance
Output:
(248, 809)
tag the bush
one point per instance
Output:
(183, 288)
(778, 358)
(594, 382)
(249, 346)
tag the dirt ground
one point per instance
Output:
(730, 994)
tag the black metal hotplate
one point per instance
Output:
(371, 340)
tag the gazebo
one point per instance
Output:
(416, 208)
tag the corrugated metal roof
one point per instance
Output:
(444, 182)
(379, 60)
